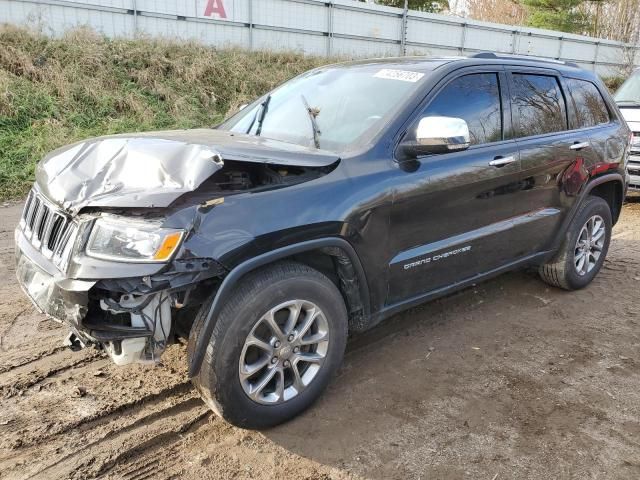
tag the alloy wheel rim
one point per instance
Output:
(589, 245)
(284, 352)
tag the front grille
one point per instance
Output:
(633, 165)
(635, 142)
(47, 228)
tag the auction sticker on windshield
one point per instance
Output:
(403, 75)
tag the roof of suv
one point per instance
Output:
(427, 64)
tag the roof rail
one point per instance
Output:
(521, 57)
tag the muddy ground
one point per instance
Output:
(510, 379)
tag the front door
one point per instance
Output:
(453, 219)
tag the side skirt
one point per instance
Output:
(390, 310)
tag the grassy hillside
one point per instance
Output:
(56, 91)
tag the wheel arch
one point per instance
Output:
(612, 192)
(610, 187)
(349, 277)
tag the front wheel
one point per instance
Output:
(584, 248)
(275, 346)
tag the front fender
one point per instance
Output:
(201, 333)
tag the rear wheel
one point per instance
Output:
(275, 346)
(584, 248)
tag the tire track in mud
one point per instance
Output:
(167, 439)
(184, 389)
(10, 325)
(158, 430)
(34, 358)
(31, 378)
(111, 431)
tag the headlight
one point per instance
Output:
(132, 241)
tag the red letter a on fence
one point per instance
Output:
(215, 6)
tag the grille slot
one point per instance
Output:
(34, 213)
(47, 228)
(635, 147)
(57, 226)
(43, 221)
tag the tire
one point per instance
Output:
(565, 270)
(297, 287)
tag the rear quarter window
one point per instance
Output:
(591, 109)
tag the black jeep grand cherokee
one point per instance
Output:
(348, 194)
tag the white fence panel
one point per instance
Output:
(421, 29)
(541, 46)
(365, 23)
(286, 14)
(479, 38)
(351, 47)
(579, 51)
(317, 27)
(177, 7)
(287, 41)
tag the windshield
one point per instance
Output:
(329, 108)
(629, 92)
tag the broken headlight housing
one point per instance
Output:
(125, 240)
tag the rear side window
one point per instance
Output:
(538, 105)
(591, 110)
(475, 98)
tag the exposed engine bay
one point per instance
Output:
(239, 177)
(137, 327)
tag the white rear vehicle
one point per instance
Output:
(628, 99)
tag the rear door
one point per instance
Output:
(452, 218)
(592, 117)
(552, 154)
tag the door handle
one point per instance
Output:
(502, 161)
(579, 146)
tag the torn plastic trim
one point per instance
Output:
(350, 288)
(180, 274)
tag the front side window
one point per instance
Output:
(538, 105)
(590, 107)
(474, 98)
(330, 108)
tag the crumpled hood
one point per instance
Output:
(154, 169)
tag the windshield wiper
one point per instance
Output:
(260, 115)
(313, 113)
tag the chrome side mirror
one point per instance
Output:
(438, 135)
(243, 106)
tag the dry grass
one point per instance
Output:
(56, 91)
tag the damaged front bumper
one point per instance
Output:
(61, 298)
(129, 316)
(140, 337)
